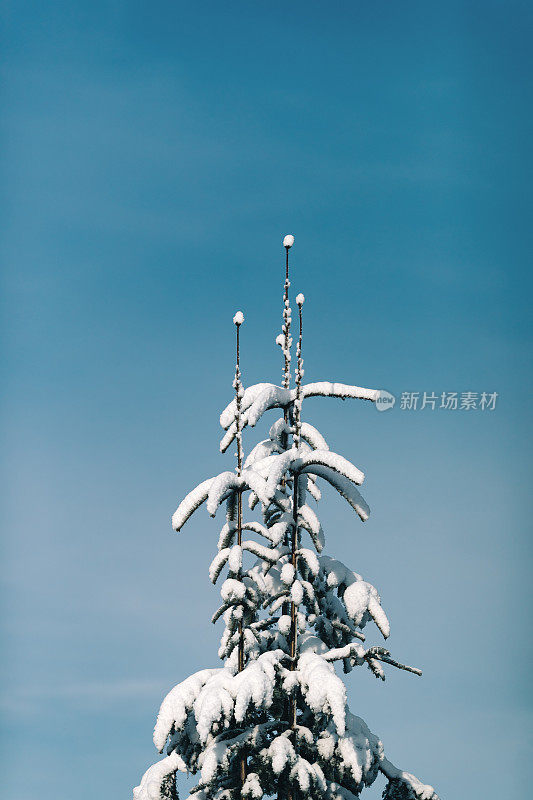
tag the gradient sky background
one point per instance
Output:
(154, 154)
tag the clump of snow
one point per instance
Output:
(300, 299)
(232, 590)
(324, 692)
(310, 560)
(287, 574)
(235, 559)
(154, 777)
(250, 394)
(281, 752)
(288, 240)
(220, 488)
(361, 597)
(190, 503)
(217, 564)
(407, 781)
(284, 624)
(332, 460)
(313, 437)
(297, 593)
(177, 704)
(251, 787)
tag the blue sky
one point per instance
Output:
(154, 155)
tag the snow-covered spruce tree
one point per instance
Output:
(273, 721)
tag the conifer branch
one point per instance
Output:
(299, 375)
(238, 319)
(381, 654)
(288, 242)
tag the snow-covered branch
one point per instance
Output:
(262, 397)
